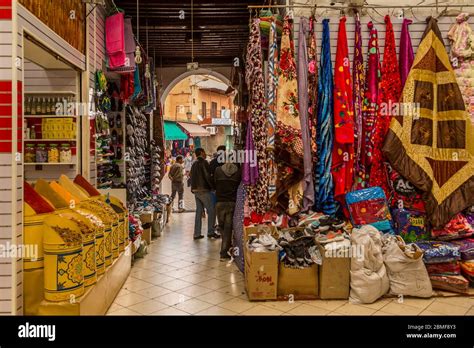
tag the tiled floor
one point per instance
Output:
(181, 276)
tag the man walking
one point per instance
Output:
(201, 186)
(227, 179)
(177, 182)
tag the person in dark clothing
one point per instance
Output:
(227, 179)
(202, 186)
(177, 182)
(215, 163)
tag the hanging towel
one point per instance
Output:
(325, 199)
(358, 90)
(313, 98)
(406, 51)
(257, 194)
(434, 148)
(129, 65)
(289, 146)
(115, 40)
(271, 102)
(389, 95)
(369, 106)
(308, 187)
(343, 150)
(137, 87)
(250, 170)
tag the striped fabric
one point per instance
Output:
(325, 199)
(271, 102)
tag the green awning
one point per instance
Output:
(173, 132)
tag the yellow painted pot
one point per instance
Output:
(63, 273)
(120, 208)
(33, 239)
(88, 232)
(115, 240)
(108, 246)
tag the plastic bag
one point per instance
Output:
(369, 279)
(405, 268)
(369, 207)
(410, 225)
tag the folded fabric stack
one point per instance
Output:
(457, 227)
(442, 262)
(466, 248)
(299, 248)
(135, 227)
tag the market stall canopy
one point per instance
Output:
(173, 132)
(194, 130)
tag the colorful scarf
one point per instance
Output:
(271, 102)
(358, 90)
(434, 148)
(406, 51)
(389, 95)
(343, 150)
(288, 127)
(257, 194)
(308, 186)
(369, 106)
(325, 200)
(313, 98)
(249, 172)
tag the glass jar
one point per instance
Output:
(65, 154)
(41, 154)
(53, 153)
(30, 153)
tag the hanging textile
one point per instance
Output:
(406, 51)
(249, 169)
(369, 105)
(308, 187)
(434, 148)
(358, 90)
(257, 194)
(287, 95)
(129, 65)
(271, 102)
(461, 37)
(238, 228)
(325, 200)
(343, 148)
(313, 97)
(389, 95)
(115, 40)
(288, 142)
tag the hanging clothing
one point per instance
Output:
(358, 97)
(313, 100)
(406, 51)
(249, 169)
(325, 200)
(257, 194)
(115, 40)
(271, 102)
(369, 105)
(289, 188)
(287, 94)
(308, 187)
(461, 37)
(238, 227)
(434, 149)
(389, 95)
(343, 148)
(129, 65)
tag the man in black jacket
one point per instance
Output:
(227, 179)
(201, 186)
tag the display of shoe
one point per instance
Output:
(198, 237)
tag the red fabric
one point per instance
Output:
(34, 199)
(389, 94)
(82, 182)
(126, 86)
(343, 150)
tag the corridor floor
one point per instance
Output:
(181, 276)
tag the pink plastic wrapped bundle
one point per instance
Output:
(450, 283)
(115, 40)
(445, 268)
(457, 227)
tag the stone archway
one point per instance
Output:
(201, 71)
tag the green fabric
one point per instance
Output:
(173, 132)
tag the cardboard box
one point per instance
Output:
(334, 275)
(146, 236)
(261, 274)
(146, 218)
(259, 229)
(298, 282)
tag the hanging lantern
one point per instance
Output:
(138, 55)
(147, 71)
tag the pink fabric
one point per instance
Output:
(115, 40)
